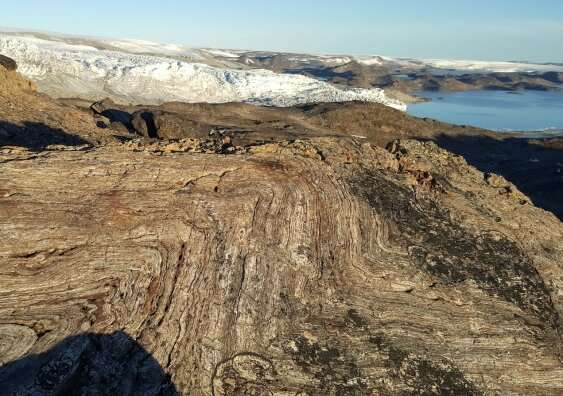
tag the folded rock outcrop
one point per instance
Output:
(323, 265)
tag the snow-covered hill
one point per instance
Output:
(476, 66)
(123, 71)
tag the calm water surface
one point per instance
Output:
(497, 110)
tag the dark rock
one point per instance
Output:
(494, 262)
(8, 63)
(112, 112)
(101, 121)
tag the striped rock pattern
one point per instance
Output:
(299, 268)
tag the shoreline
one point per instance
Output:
(535, 133)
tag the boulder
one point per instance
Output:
(164, 125)
(173, 126)
(8, 63)
(110, 111)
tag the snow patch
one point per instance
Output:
(147, 47)
(486, 66)
(371, 61)
(221, 53)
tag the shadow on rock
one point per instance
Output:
(535, 166)
(88, 364)
(36, 136)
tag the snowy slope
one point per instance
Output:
(152, 48)
(491, 66)
(71, 70)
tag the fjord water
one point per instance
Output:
(496, 110)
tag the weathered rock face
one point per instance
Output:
(249, 124)
(316, 267)
(533, 165)
(321, 266)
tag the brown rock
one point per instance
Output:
(119, 127)
(102, 106)
(289, 237)
(140, 124)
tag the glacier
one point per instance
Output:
(124, 73)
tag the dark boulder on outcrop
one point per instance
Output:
(107, 111)
(8, 63)
(145, 123)
(111, 110)
(160, 124)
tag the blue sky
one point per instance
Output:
(477, 29)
